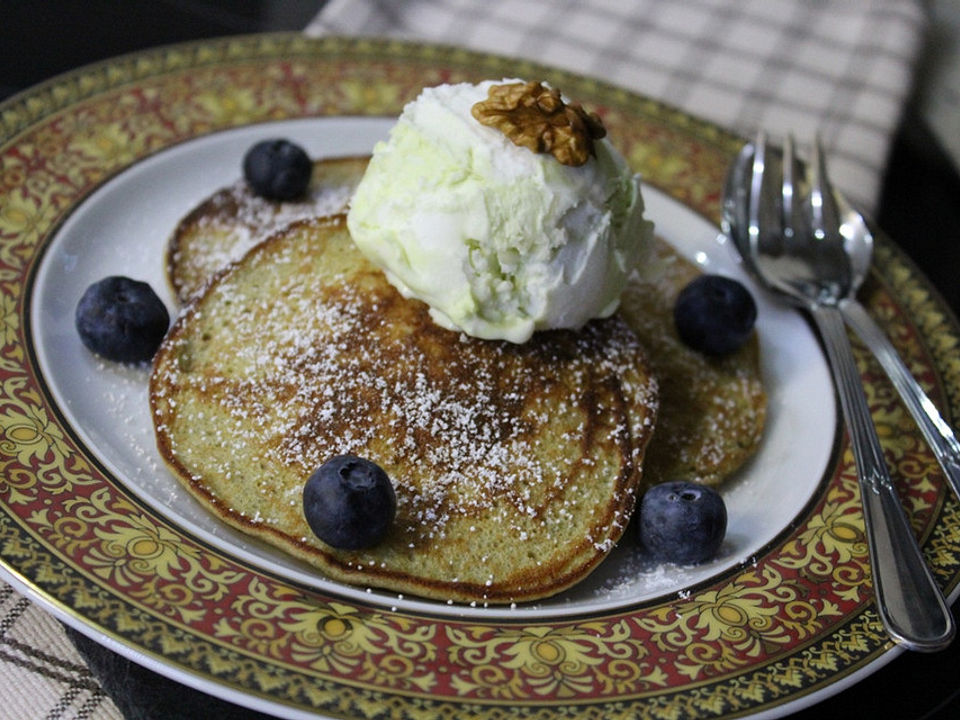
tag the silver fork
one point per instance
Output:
(791, 249)
(858, 241)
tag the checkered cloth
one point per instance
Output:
(840, 67)
(43, 674)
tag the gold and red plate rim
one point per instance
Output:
(796, 619)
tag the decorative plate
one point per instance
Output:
(95, 168)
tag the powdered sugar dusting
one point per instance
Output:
(320, 365)
(254, 218)
(225, 226)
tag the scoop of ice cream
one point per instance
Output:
(498, 240)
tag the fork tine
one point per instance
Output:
(823, 207)
(787, 187)
(756, 189)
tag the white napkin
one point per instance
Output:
(840, 67)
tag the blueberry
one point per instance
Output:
(121, 319)
(714, 314)
(277, 169)
(682, 522)
(349, 502)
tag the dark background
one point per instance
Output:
(919, 209)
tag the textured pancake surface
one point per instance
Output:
(224, 226)
(516, 467)
(712, 410)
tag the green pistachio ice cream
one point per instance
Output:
(498, 240)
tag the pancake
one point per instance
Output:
(516, 467)
(231, 221)
(712, 410)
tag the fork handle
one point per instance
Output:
(938, 433)
(909, 600)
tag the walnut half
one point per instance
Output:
(535, 117)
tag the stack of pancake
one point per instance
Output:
(516, 467)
